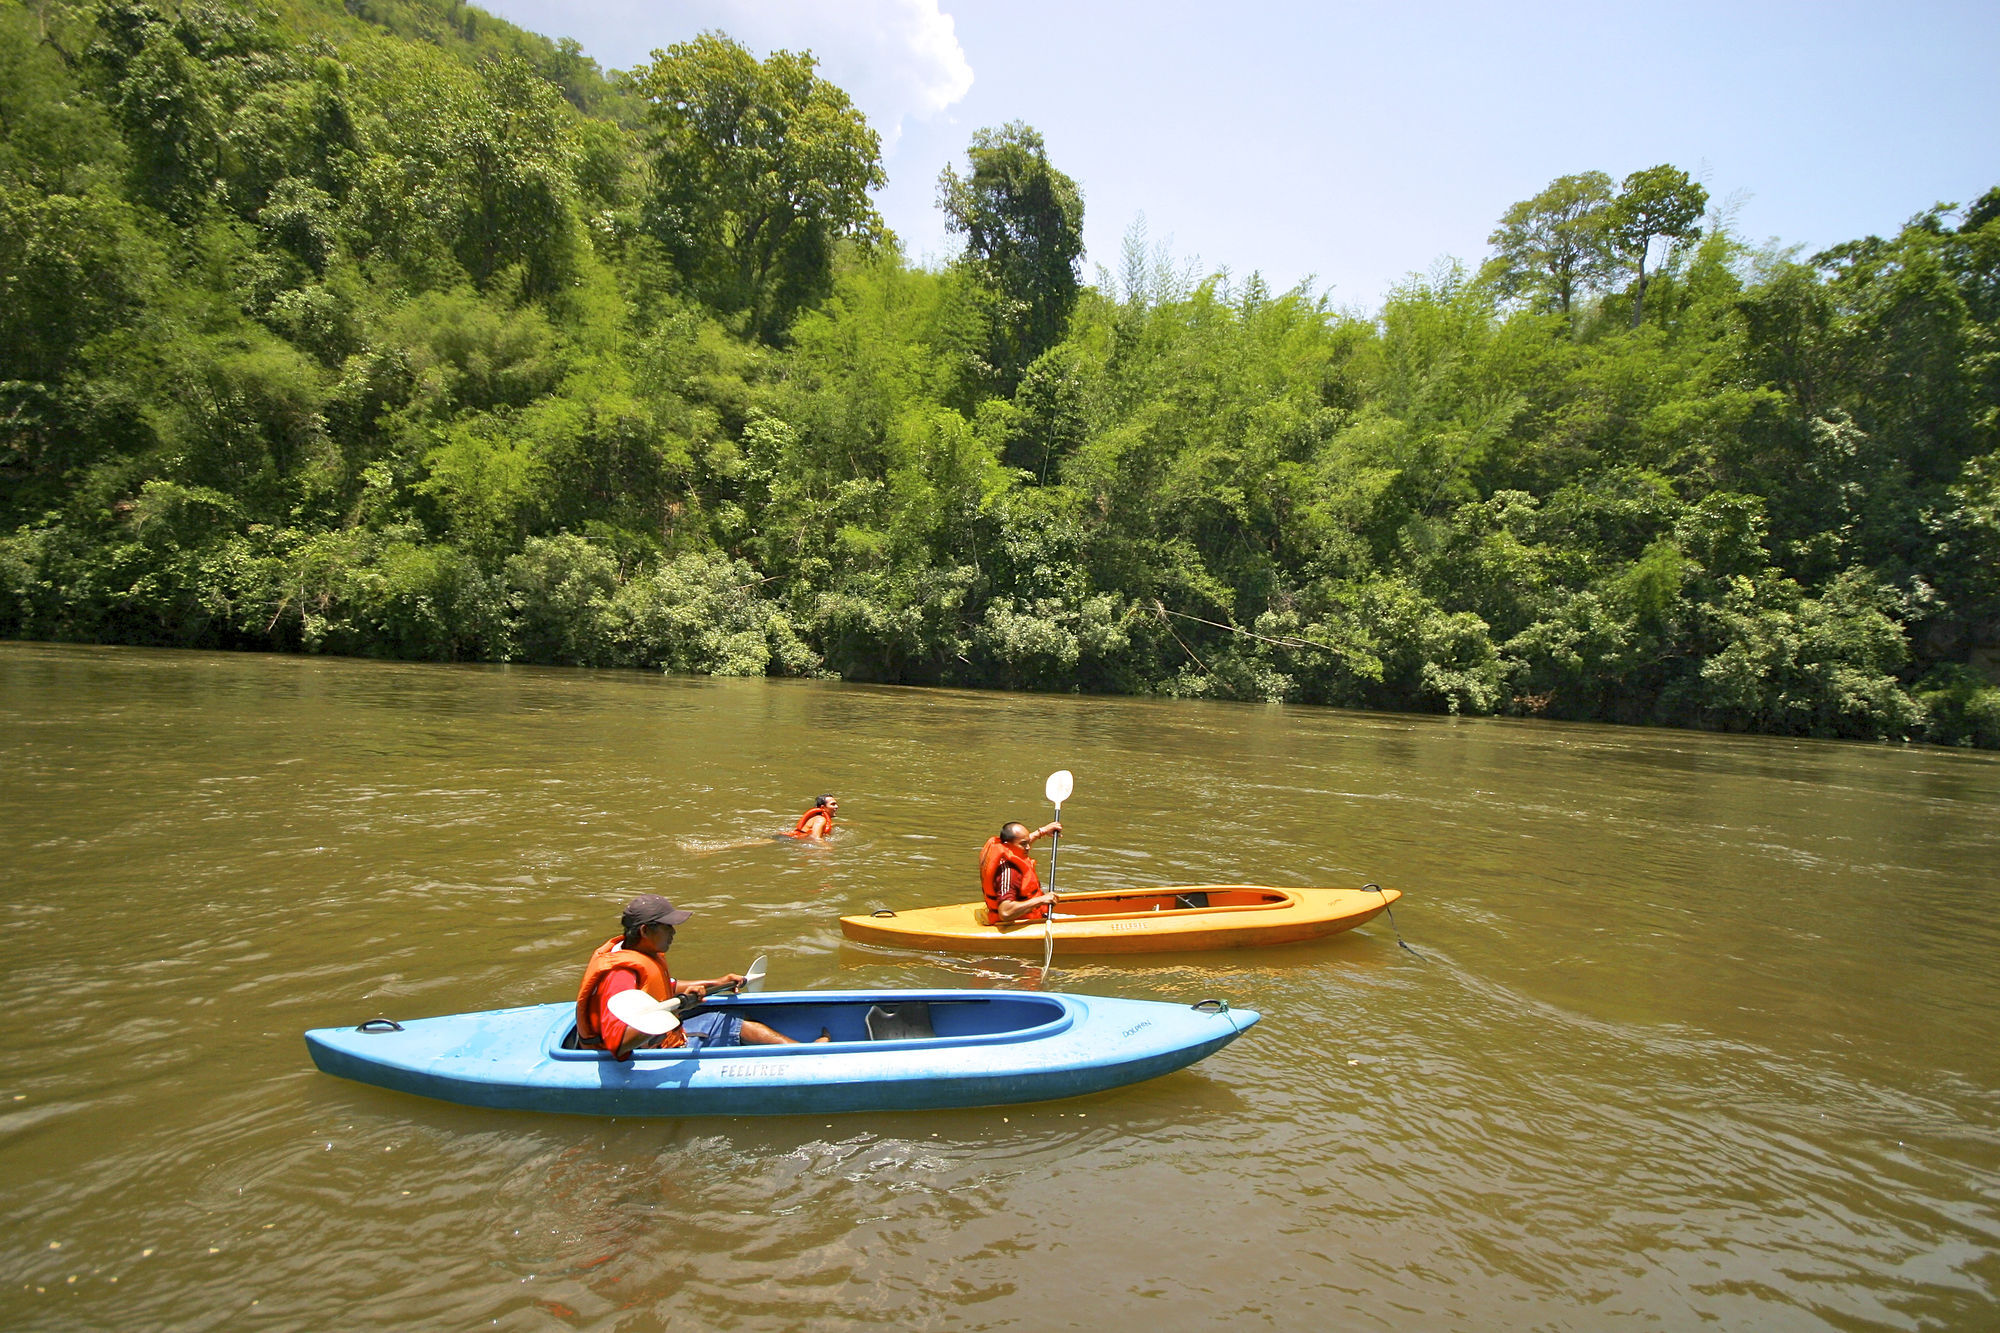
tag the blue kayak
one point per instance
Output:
(893, 1050)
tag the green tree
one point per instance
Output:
(1023, 226)
(164, 97)
(760, 169)
(1551, 247)
(1659, 203)
(479, 167)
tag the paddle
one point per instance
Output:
(753, 979)
(636, 1009)
(1057, 789)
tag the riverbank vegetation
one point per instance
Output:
(389, 329)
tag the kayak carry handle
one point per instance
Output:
(380, 1025)
(1211, 1006)
(881, 911)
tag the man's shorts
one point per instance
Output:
(713, 1027)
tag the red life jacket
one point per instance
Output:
(611, 955)
(804, 829)
(996, 854)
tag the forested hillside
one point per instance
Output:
(389, 329)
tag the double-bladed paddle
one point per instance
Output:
(640, 1011)
(636, 1009)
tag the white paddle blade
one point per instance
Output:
(636, 1009)
(1060, 785)
(753, 980)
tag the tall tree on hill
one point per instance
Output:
(1551, 246)
(1659, 203)
(1023, 226)
(761, 168)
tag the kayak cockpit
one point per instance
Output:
(873, 1022)
(1206, 899)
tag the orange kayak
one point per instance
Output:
(1162, 920)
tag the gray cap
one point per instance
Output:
(650, 909)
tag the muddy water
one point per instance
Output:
(1697, 1029)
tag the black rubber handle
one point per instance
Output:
(380, 1025)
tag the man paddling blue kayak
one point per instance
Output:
(637, 960)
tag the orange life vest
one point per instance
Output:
(804, 829)
(611, 955)
(992, 857)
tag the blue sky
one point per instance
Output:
(1352, 144)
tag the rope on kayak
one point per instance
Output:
(1392, 921)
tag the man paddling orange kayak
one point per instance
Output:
(1008, 878)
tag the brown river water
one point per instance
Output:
(1697, 1030)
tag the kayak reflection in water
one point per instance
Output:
(1007, 876)
(637, 960)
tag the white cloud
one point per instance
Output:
(898, 59)
(942, 73)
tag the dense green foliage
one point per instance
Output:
(389, 329)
